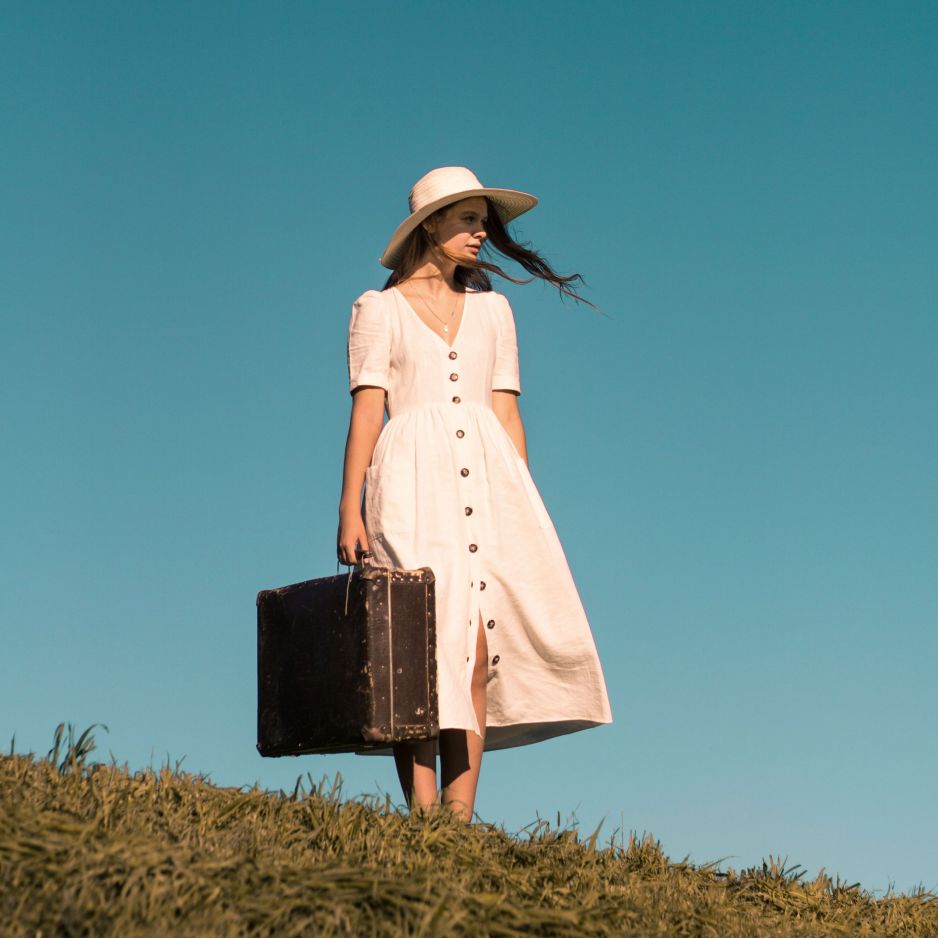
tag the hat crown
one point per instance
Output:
(439, 183)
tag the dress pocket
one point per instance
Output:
(389, 504)
(534, 496)
(370, 512)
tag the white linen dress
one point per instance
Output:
(447, 489)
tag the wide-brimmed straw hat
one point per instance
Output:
(446, 185)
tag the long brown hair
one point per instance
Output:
(475, 274)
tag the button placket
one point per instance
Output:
(453, 376)
(471, 533)
(487, 611)
(473, 546)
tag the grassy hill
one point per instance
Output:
(98, 850)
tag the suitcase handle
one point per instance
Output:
(365, 557)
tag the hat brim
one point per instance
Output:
(509, 203)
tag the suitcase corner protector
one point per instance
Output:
(374, 734)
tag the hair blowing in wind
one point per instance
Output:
(475, 273)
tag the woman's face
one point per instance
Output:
(460, 227)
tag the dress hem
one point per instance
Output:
(514, 735)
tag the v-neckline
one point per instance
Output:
(433, 332)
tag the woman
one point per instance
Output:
(447, 486)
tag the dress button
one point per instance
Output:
(490, 623)
(452, 355)
(481, 584)
(455, 400)
(468, 510)
(460, 433)
(473, 548)
(454, 377)
(464, 472)
(496, 659)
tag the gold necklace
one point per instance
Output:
(444, 321)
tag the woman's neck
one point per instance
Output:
(435, 279)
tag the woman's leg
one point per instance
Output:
(416, 769)
(461, 750)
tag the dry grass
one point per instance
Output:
(97, 850)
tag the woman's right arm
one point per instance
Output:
(365, 426)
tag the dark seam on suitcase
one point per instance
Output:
(426, 602)
(390, 653)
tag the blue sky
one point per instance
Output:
(739, 455)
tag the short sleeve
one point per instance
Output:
(506, 376)
(369, 342)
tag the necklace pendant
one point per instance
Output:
(446, 328)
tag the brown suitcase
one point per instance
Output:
(347, 663)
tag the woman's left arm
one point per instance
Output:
(505, 405)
